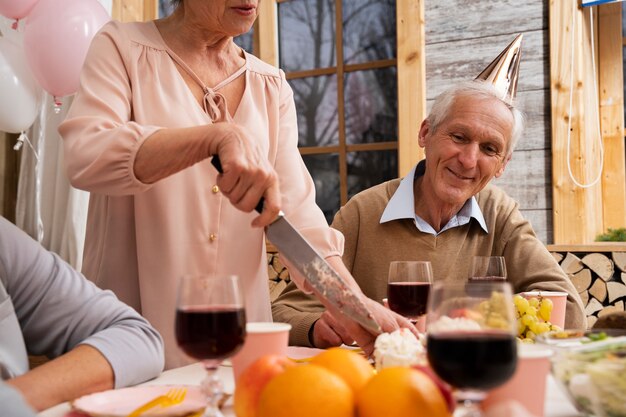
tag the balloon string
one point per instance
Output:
(15, 23)
(20, 142)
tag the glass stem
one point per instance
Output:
(213, 390)
(468, 403)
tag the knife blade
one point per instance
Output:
(325, 281)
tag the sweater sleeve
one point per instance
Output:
(530, 266)
(58, 309)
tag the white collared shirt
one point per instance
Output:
(401, 206)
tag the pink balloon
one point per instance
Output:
(57, 35)
(16, 9)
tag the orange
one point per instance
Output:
(306, 391)
(350, 366)
(401, 392)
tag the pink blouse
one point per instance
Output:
(141, 238)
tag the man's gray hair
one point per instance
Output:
(475, 88)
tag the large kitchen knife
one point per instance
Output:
(324, 280)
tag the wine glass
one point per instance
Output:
(408, 286)
(471, 341)
(488, 268)
(210, 327)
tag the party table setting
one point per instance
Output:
(478, 356)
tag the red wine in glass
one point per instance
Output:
(210, 332)
(210, 325)
(473, 360)
(409, 299)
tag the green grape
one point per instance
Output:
(541, 327)
(529, 320)
(534, 301)
(545, 309)
(520, 326)
(521, 304)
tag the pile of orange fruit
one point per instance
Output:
(336, 383)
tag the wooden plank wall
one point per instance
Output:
(581, 213)
(9, 171)
(134, 10)
(463, 37)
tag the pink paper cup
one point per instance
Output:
(559, 301)
(528, 384)
(262, 338)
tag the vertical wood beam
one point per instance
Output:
(577, 211)
(133, 10)
(612, 114)
(9, 161)
(150, 10)
(266, 32)
(411, 81)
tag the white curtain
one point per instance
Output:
(48, 207)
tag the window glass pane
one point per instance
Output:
(369, 30)
(165, 8)
(325, 172)
(371, 104)
(369, 168)
(316, 105)
(306, 34)
(245, 41)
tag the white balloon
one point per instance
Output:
(20, 92)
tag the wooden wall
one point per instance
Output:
(9, 171)
(463, 37)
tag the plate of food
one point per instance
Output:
(122, 402)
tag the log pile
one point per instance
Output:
(599, 278)
(278, 274)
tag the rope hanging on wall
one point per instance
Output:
(571, 96)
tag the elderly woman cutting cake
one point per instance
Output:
(156, 101)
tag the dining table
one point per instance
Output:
(556, 403)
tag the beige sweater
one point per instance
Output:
(371, 246)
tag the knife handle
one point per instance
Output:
(218, 165)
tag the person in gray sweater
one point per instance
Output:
(94, 341)
(12, 403)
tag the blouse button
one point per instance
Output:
(215, 189)
(212, 237)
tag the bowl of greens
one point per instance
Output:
(591, 368)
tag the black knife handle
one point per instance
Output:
(218, 165)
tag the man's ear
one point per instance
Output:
(424, 129)
(500, 171)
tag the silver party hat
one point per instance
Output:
(503, 71)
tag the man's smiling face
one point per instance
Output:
(466, 150)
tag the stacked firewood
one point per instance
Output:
(599, 278)
(278, 274)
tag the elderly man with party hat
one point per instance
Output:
(445, 210)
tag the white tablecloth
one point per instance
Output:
(557, 405)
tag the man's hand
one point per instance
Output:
(387, 319)
(328, 332)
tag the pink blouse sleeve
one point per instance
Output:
(100, 139)
(297, 187)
